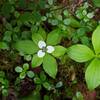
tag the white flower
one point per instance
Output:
(50, 49)
(42, 45)
(40, 53)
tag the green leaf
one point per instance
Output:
(36, 37)
(26, 17)
(50, 65)
(27, 57)
(7, 36)
(50, 2)
(5, 92)
(26, 47)
(46, 97)
(96, 40)
(25, 66)
(59, 84)
(37, 80)
(6, 9)
(30, 74)
(36, 16)
(72, 22)
(42, 76)
(42, 32)
(59, 51)
(2, 74)
(96, 3)
(36, 61)
(92, 74)
(9, 26)
(32, 96)
(22, 75)
(80, 53)
(3, 45)
(54, 37)
(47, 85)
(18, 69)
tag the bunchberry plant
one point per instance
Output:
(24, 71)
(83, 14)
(78, 96)
(42, 80)
(82, 53)
(44, 49)
(4, 84)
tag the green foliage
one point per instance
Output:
(96, 3)
(36, 61)
(50, 65)
(95, 40)
(4, 84)
(34, 95)
(78, 96)
(26, 46)
(42, 81)
(3, 45)
(42, 56)
(59, 51)
(82, 13)
(72, 22)
(82, 53)
(41, 30)
(7, 8)
(92, 73)
(23, 71)
(54, 37)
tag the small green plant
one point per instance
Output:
(78, 96)
(82, 13)
(82, 53)
(4, 84)
(42, 80)
(24, 71)
(43, 52)
(80, 36)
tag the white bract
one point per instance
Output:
(41, 44)
(44, 49)
(50, 49)
(40, 53)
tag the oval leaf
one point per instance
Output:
(54, 37)
(30, 74)
(80, 53)
(18, 69)
(92, 74)
(36, 37)
(36, 61)
(59, 51)
(42, 32)
(96, 40)
(3, 45)
(26, 47)
(50, 65)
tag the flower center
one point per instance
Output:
(44, 49)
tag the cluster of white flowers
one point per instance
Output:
(42, 45)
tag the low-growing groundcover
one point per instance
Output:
(49, 50)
